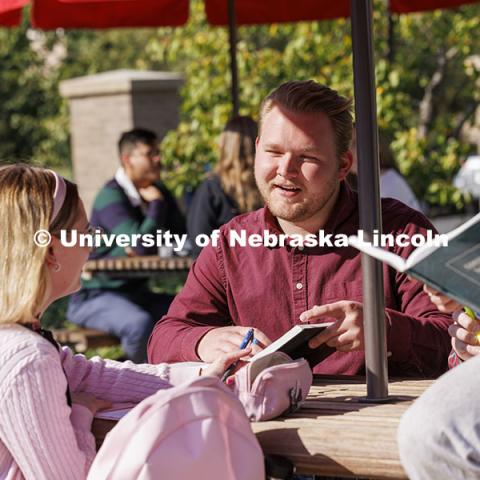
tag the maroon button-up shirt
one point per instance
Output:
(269, 288)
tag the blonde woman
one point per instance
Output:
(48, 395)
(231, 189)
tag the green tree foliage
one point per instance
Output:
(425, 94)
(30, 105)
(33, 117)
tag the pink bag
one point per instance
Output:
(195, 430)
(272, 385)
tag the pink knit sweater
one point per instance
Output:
(40, 436)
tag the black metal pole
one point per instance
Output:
(391, 35)
(369, 197)
(232, 36)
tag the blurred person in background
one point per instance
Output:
(134, 202)
(392, 183)
(231, 189)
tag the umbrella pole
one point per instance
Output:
(232, 37)
(391, 35)
(369, 198)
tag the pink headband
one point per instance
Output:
(58, 195)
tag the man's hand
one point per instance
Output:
(463, 333)
(346, 334)
(151, 193)
(442, 302)
(88, 400)
(223, 340)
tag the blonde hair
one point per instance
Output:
(235, 164)
(26, 201)
(311, 97)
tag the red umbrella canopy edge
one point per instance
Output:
(251, 12)
(51, 14)
(408, 6)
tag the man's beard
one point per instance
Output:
(299, 211)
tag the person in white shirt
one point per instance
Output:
(392, 183)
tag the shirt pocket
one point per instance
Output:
(335, 292)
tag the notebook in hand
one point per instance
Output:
(295, 344)
(453, 269)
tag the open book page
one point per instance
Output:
(423, 252)
(455, 270)
(395, 261)
(116, 412)
(419, 254)
(463, 227)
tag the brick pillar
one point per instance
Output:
(105, 105)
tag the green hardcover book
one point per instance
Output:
(453, 269)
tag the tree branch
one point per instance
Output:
(426, 105)
(463, 119)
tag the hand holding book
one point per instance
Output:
(444, 303)
(465, 332)
(346, 334)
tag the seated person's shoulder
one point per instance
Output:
(110, 192)
(22, 350)
(252, 222)
(397, 216)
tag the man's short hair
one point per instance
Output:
(311, 97)
(129, 140)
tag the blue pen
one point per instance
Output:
(246, 340)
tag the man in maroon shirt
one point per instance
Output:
(302, 159)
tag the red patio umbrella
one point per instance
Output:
(11, 18)
(251, 12)
(50, 14)
(140, 13)
(408, 6)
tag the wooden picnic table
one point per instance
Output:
(138, 266)
(335, 433)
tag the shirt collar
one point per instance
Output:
(345, 204)
(128, 187)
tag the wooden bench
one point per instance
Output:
(82, 339)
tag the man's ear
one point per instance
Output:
(125, 160)
(346, 161)
(257, 142)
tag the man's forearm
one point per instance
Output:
(175, 341)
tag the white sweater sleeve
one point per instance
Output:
(122, 381)
(47, 440)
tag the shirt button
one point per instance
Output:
(299, 286)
